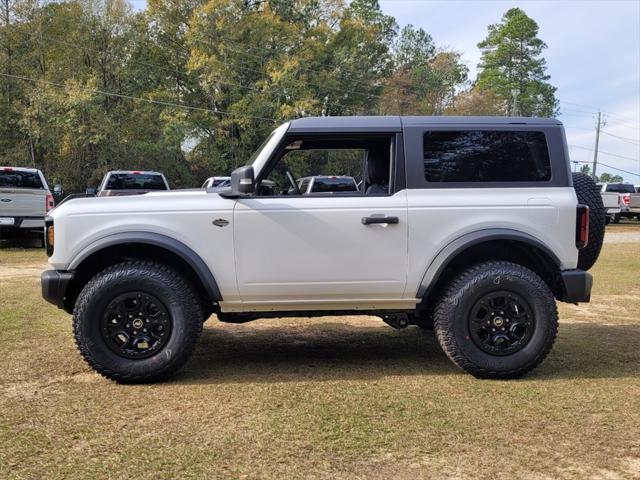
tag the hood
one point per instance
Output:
(160, 201)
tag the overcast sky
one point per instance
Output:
(593, 58)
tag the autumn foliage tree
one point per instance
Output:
(191, 87)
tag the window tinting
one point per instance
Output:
(19, 179)
(486, 156)
(135, 181)
(620, 188)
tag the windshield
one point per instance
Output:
(19, 179)
(135, 181)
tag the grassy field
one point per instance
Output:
(333, 397)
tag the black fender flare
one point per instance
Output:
(459, 245)
(176, 247)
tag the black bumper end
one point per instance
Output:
(54, 285)
(577, 286)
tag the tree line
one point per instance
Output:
(192, 87)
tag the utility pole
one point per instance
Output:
(595, 151)
(515, 111)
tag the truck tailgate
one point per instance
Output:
(634, 202)
(610, 200)
(22, 202)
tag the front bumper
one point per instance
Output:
(54, 286)
(577, 286)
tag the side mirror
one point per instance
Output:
(57, 189)
(90, 191)
(242, 180)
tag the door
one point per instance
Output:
(336, 243)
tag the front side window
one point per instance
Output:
(331, 166)
(486, 156)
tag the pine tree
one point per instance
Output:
(512, 66)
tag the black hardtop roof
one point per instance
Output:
(395, 123)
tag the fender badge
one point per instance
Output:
(220, 222)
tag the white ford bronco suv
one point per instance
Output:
(471, 226)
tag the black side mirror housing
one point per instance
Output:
(242, 181)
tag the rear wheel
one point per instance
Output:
(137, 322)
(496, 320)
(588, 194)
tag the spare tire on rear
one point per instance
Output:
(588, 194)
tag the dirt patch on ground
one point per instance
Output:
(28, 390)
(28, 270)
(622, 237)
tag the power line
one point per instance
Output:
(594, 110)
(624, 139)
(608, 166)
(281, 90)
(131, 97)
(605, 153)
(579, 128)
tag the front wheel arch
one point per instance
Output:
(141, 246)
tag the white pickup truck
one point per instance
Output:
(634, 203)
(623, 191)
(611, 202)
(25, 200)
(472, 226)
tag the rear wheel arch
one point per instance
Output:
(141, 246)
(487, 245)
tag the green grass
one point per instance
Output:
(334, 397)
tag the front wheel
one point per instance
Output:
(496, 320)
(137, 322)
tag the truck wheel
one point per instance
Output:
(616, 218)
(137, 321)
(588, 194)
(496, 320)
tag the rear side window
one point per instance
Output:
(486, 156)
(16, 179)
(334, 184)
(135, 181)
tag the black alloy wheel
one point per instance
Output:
(501, 323)
(136, 325)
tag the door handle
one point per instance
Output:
(388, 220)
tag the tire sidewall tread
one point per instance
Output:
(159, 280)
(451, 319)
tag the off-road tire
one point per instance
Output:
(588, 194)
(179, 299)
(453, 311)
